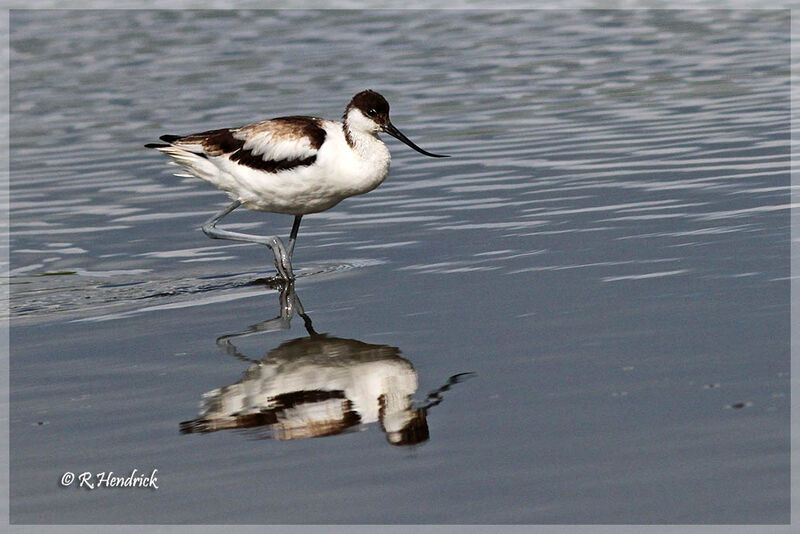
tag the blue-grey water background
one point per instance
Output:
(607, 250)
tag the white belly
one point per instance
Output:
(338, 172)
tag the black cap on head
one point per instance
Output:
(415, 432)
(373, 105)
(370, 100)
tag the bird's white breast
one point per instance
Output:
(339, 171)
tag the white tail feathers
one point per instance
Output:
(197, 165)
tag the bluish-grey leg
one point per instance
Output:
(283, 262)
(289, 304)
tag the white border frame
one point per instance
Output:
(370, 529)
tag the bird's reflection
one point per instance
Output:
(317, 386)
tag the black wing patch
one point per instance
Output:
(267, 417)
(220, 142)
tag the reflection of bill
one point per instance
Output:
(320, 386)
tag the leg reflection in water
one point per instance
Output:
(317, 385)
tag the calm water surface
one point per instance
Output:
(580, 317)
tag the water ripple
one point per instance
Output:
(568, 131)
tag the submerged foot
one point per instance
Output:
(285, 272)
(283, 262)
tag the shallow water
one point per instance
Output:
(584, 311)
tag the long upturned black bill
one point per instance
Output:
(394, 132)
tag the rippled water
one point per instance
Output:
(583, 314)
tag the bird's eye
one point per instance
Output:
(372, 113)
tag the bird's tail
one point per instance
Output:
(195, 164)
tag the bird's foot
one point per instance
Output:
(285, 273)
(283, 262)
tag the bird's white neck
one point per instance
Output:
(361, 142)
(360, 134)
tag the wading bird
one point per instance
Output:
(294, 165)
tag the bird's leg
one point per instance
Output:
(283, 261)
(293, 235)
(287, 298)
(289, 304)
(302, 313)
